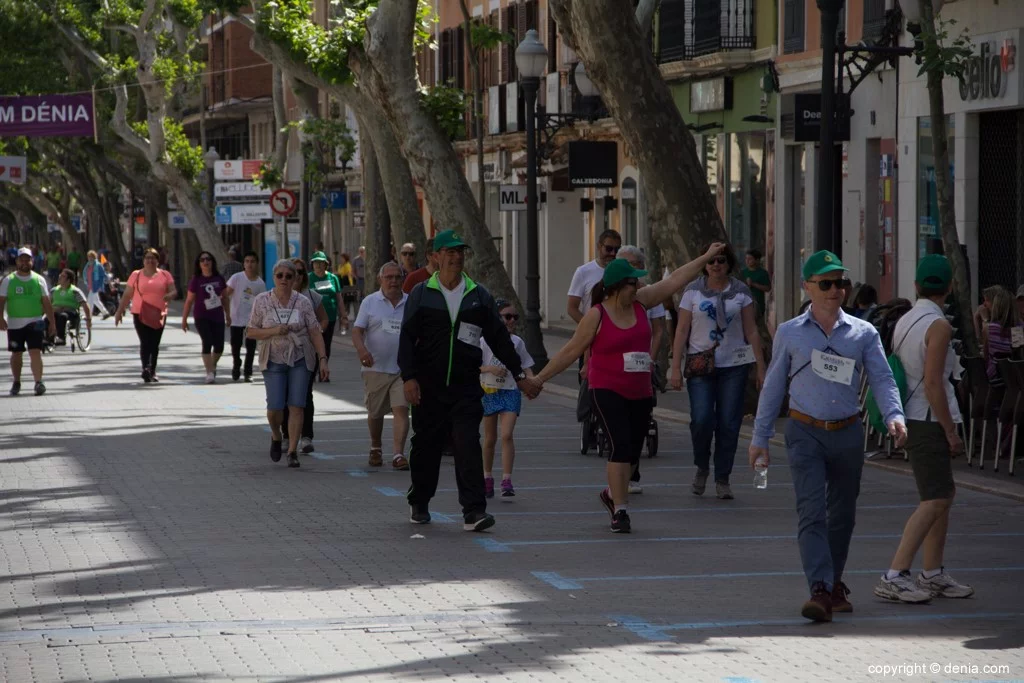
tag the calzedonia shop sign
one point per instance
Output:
(992, 78)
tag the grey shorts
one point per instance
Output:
(930, 459)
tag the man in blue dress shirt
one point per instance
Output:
(818, 359)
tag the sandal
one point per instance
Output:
(376, 457)
(400, 463)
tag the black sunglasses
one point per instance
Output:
(609, 249)
(408, 253)
(630, 281)
(205, 259)
(825, 285)
(284, 276)
(718, 261)
(510, 316)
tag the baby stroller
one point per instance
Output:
(593, 436)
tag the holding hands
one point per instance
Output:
(531, 386)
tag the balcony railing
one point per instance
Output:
(692, 28)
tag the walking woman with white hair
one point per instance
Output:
(291, 341)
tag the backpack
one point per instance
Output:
(899, 375)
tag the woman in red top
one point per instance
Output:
(618, 335)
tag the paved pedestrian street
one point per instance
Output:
(145, 534)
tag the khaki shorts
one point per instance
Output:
(383, 392)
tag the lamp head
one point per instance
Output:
(583, 82)
(531, 56)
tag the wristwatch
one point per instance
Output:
(520, 377)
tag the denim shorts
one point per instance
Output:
(286, 385)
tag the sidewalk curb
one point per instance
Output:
(745, 433)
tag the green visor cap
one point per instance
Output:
(618, 270)
(821, 262)
(447, 239)
(318, 256)
(934, 271)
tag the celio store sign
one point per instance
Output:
(992, 77)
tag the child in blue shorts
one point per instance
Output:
(502, 402)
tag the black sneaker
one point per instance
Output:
(477, 521)
(147, 375)
(620, 522)
(275, 450)
(15, 388)
(293, 460)
(419, 514)
(236, 372)
(607, 502)
(248, 378)
(40, 389)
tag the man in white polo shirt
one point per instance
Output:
(590, 273)
(375, 337)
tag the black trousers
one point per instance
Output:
(438, 417)
(237, 338)
(307, 416)
(149, 343)
(329, 336)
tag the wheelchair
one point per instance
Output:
(73, 335)
(593, 436)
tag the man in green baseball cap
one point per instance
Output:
(448, 239)
(819, 360)
(922, 340)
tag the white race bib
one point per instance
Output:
(288, 316)
(324, 285)
(391, 325)
(1016, 336)
(636, 361)
(492, 381)
(741, 355)
(469, 333)
(833, 368)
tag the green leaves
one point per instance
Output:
(947, 59)
(322, 139)
(447, 104)
(485, 37)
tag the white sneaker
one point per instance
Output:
(210, 378)
(306, 445)
(634, 487)
(901, 589)
(942, 585)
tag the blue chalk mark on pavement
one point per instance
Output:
(388, 491)
(558, 581)
(493, 546)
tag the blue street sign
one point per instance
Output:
(223, 214)
(334, 200)
(76, 223)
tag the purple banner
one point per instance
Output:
(38, 116)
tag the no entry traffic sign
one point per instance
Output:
(283, 202)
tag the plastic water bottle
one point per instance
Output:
(760, 473)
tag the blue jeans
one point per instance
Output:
(286, 385)
(716, 411)
(826, 469)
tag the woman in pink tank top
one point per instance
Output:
(618, 335)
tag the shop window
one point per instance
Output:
(929, 235)
(745, 204)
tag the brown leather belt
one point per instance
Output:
(827, 425)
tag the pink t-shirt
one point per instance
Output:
(152, 290)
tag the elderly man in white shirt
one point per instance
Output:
(375, 336)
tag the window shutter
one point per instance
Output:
(506, 50)
(446, 56)
(460, 57)
(793, 25)
(552, 44)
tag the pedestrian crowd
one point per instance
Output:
(441, 355)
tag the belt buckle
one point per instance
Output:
(835, 425)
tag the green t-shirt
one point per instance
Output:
(328, 287)
(74, 260)
(757, 276)
(53, 260)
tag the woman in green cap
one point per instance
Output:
(327, 285)
(617, 333)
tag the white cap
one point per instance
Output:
(24, 251)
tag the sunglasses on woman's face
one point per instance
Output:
(206, 259)
(510, 316)
(825, 285)
(718, 261)
(630, 281)
(284, 276)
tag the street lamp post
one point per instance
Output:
(826, 230)
(531, 60)
(210, 159)
(858, 62)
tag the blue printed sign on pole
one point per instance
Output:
(223, 214)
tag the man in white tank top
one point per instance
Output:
(921, 339)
